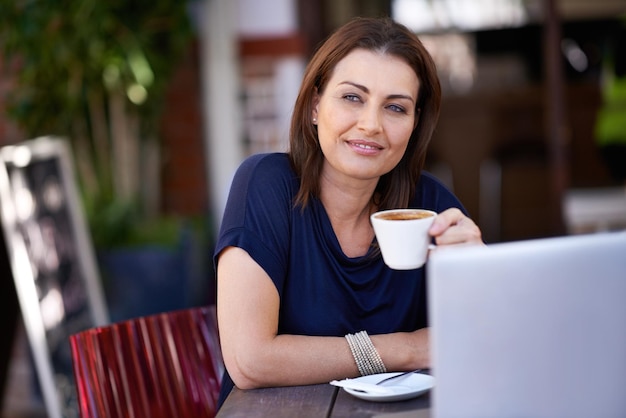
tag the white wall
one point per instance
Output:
(266, 17)
(221, 23)
(220, 91)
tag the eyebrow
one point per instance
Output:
(366, 90)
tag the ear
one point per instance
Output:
(315, 102)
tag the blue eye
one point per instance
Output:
(396, 108)
(352, 97)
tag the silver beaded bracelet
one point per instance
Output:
(366, 357)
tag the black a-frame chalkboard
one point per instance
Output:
(51, 259)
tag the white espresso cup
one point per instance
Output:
(402, 236)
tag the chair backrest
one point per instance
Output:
(163, 365)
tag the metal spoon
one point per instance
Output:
(400, 375)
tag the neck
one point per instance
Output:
(349, 208)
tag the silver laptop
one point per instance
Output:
(531, 328)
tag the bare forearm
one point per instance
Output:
(404, 350)
(299, 360)
(289, 360)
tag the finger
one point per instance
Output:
(464, 231)
(445, 220)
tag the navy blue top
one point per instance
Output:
(322, 291)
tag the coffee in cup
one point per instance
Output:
(402, 236)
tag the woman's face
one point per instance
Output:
(365, 115)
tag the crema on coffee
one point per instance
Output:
(404, 216)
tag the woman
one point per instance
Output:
(297, 265)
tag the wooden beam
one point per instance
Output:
(556, 123)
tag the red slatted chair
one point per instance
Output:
(159, 366)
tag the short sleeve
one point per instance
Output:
(258, 212)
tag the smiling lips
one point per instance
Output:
(365, 147)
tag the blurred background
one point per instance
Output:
(161, 100)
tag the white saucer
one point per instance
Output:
(405, 387)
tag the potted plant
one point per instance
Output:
(96, 73)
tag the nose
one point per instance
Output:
(369, 120)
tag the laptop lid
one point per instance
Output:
(531, 328)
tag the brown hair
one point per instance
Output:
(396, 188)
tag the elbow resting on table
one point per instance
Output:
(245, 371)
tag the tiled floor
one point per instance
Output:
(19, 400)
